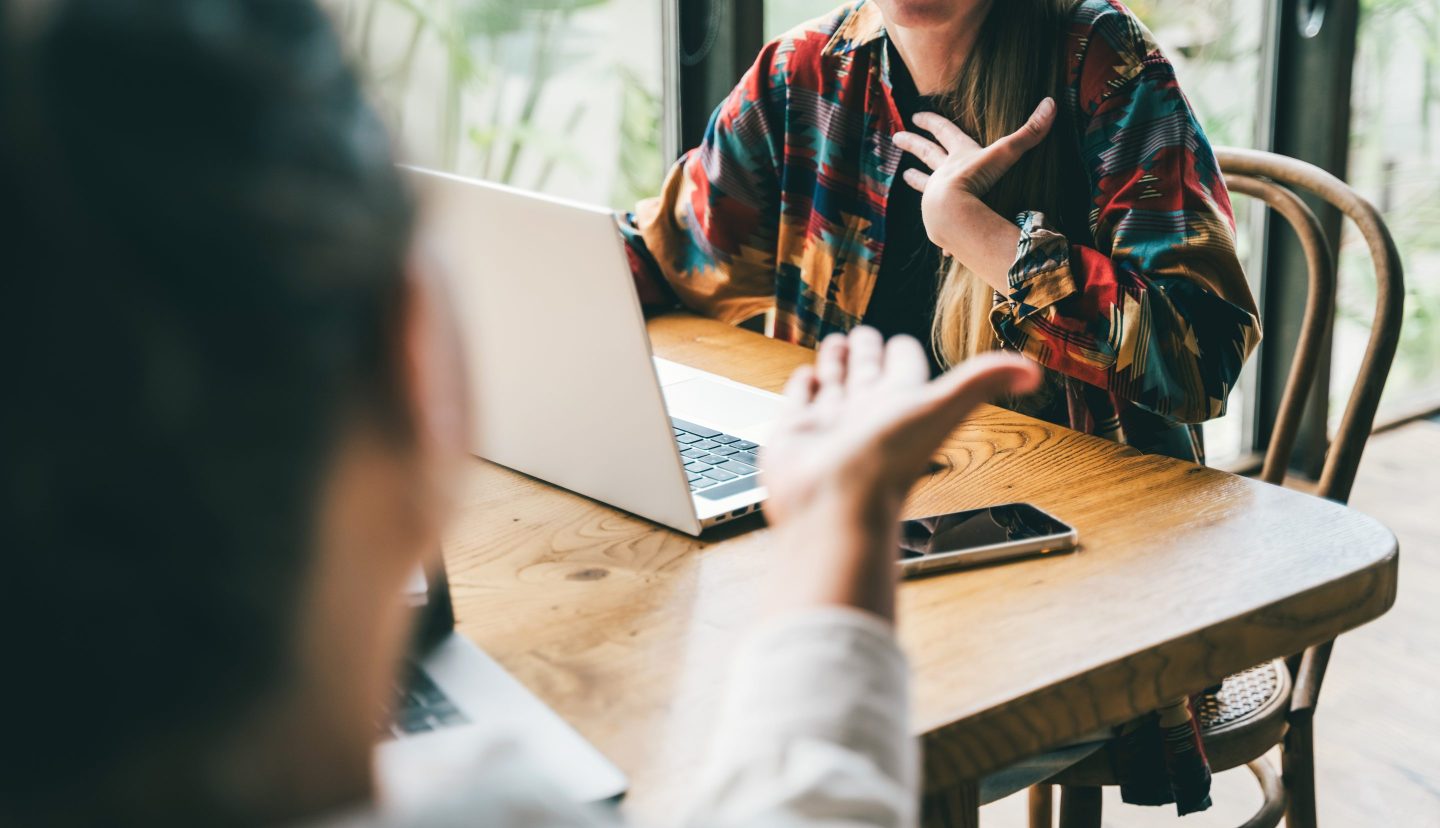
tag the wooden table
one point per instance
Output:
(1185, 575)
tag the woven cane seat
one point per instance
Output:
(1242, 696)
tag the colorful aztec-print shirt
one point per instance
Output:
(1145, 324)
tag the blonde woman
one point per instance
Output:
(1021, 175)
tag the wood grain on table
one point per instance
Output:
(1184, 575)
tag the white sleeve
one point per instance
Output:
(814, 730)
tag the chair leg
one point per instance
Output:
(1297, 760)
(1041, 806)
(1272, 796)
(955, 806)
(1079, 807)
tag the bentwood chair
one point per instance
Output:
(1274, 704)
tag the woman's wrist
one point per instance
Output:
(981, 239)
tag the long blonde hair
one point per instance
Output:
(1016, 61)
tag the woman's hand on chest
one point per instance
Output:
(961, 173)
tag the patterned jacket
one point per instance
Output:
(1144, 317)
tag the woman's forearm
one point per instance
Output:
(983, 241)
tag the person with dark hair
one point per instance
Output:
(228, 417)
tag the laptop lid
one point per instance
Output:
(562, 381)
(429, 596)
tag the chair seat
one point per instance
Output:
(1239, 723)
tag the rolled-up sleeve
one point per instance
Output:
(1158, 311)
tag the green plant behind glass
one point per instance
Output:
(1393, 160)
(641, 165)
(488, 48)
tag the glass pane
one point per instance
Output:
(1395, 162)
(783, 15)
(561, 96)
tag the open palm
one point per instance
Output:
(864, 421)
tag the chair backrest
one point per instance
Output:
(1274, 179)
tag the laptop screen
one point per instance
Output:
(429, 594)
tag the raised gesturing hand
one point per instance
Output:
(862, 425)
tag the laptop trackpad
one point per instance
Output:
(733, 408)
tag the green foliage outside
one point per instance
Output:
(1395, 161)
(501, 66)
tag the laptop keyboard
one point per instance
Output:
(717, 464)
(423, 707)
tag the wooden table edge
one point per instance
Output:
(951, 760)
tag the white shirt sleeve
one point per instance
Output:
(813, 732)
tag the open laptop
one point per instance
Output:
(456, 698)
(565, 387)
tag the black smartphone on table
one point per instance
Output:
(977, 537)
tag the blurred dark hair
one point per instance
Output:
(203, 241)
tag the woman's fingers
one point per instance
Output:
(930, 153)
(916, 179)
(997, 159)
(950, 136)
(1028, 136)
(867, 356)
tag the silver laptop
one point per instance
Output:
(565, 386)
(455, 700)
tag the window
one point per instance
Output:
(560, 96)
(1395, 162)
(783, 15)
